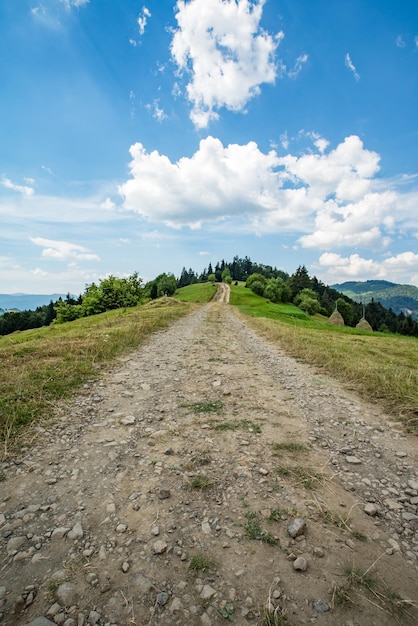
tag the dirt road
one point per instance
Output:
(166, 493)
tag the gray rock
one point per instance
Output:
(301, 564)
(128, 420)
(159, 547)
(296, 527)
(162, 598)
(66, 594)
(76, 532)
(370, 509)
(14, 544)
(207, 592)
(353, 460)
(40, 621)
(59, 533)
(121, 528)
(320, 606)
(94, 618)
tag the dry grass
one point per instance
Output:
(379, 367)
(43, 365)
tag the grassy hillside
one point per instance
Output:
(199, 292)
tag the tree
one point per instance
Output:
(255, 278)
(277, 290)
(167, 284)
(307, 300)
(299, 280)
(346, 311)
(226, 275)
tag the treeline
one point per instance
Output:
(308, 293)
(24, 320)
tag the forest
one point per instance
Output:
(308, 293)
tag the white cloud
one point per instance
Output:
(400, 42)
(63, 250)
(215, 182)
(108, 204)
(297, 68)
(394, 268)
(331, 198)
(157, 112)
(25, 190)
(142, 20)
(350, 65)
(221, 45)
(69, 4)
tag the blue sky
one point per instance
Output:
(148, 136)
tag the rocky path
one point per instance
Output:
(206, 476)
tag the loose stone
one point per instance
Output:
(300, 564)
(160, 547)
(321, 607)
(296, 527)
(370, 509)
(353, 460)
(76, 532)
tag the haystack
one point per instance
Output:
(336, 318)
(364, 324)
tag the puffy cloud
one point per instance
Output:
(352, 225)
(216, 182)
(63, 250)
(394, 268)
(330, 198)
(228, 55)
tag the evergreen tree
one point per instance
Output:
(300, 280)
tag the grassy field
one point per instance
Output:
(40, 366)
(381, 367)
(200, 292)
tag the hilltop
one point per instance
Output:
(399, 298)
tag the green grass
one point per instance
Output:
(201, 482)
(379, 366)
(254, 531)
(236, 425)
(204, 407)
(200, 292)
(41, 366)
(201, 562)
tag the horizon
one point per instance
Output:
(182, 132)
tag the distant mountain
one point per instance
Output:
(26, 301)
(399, 298)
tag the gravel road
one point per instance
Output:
(206, 476)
